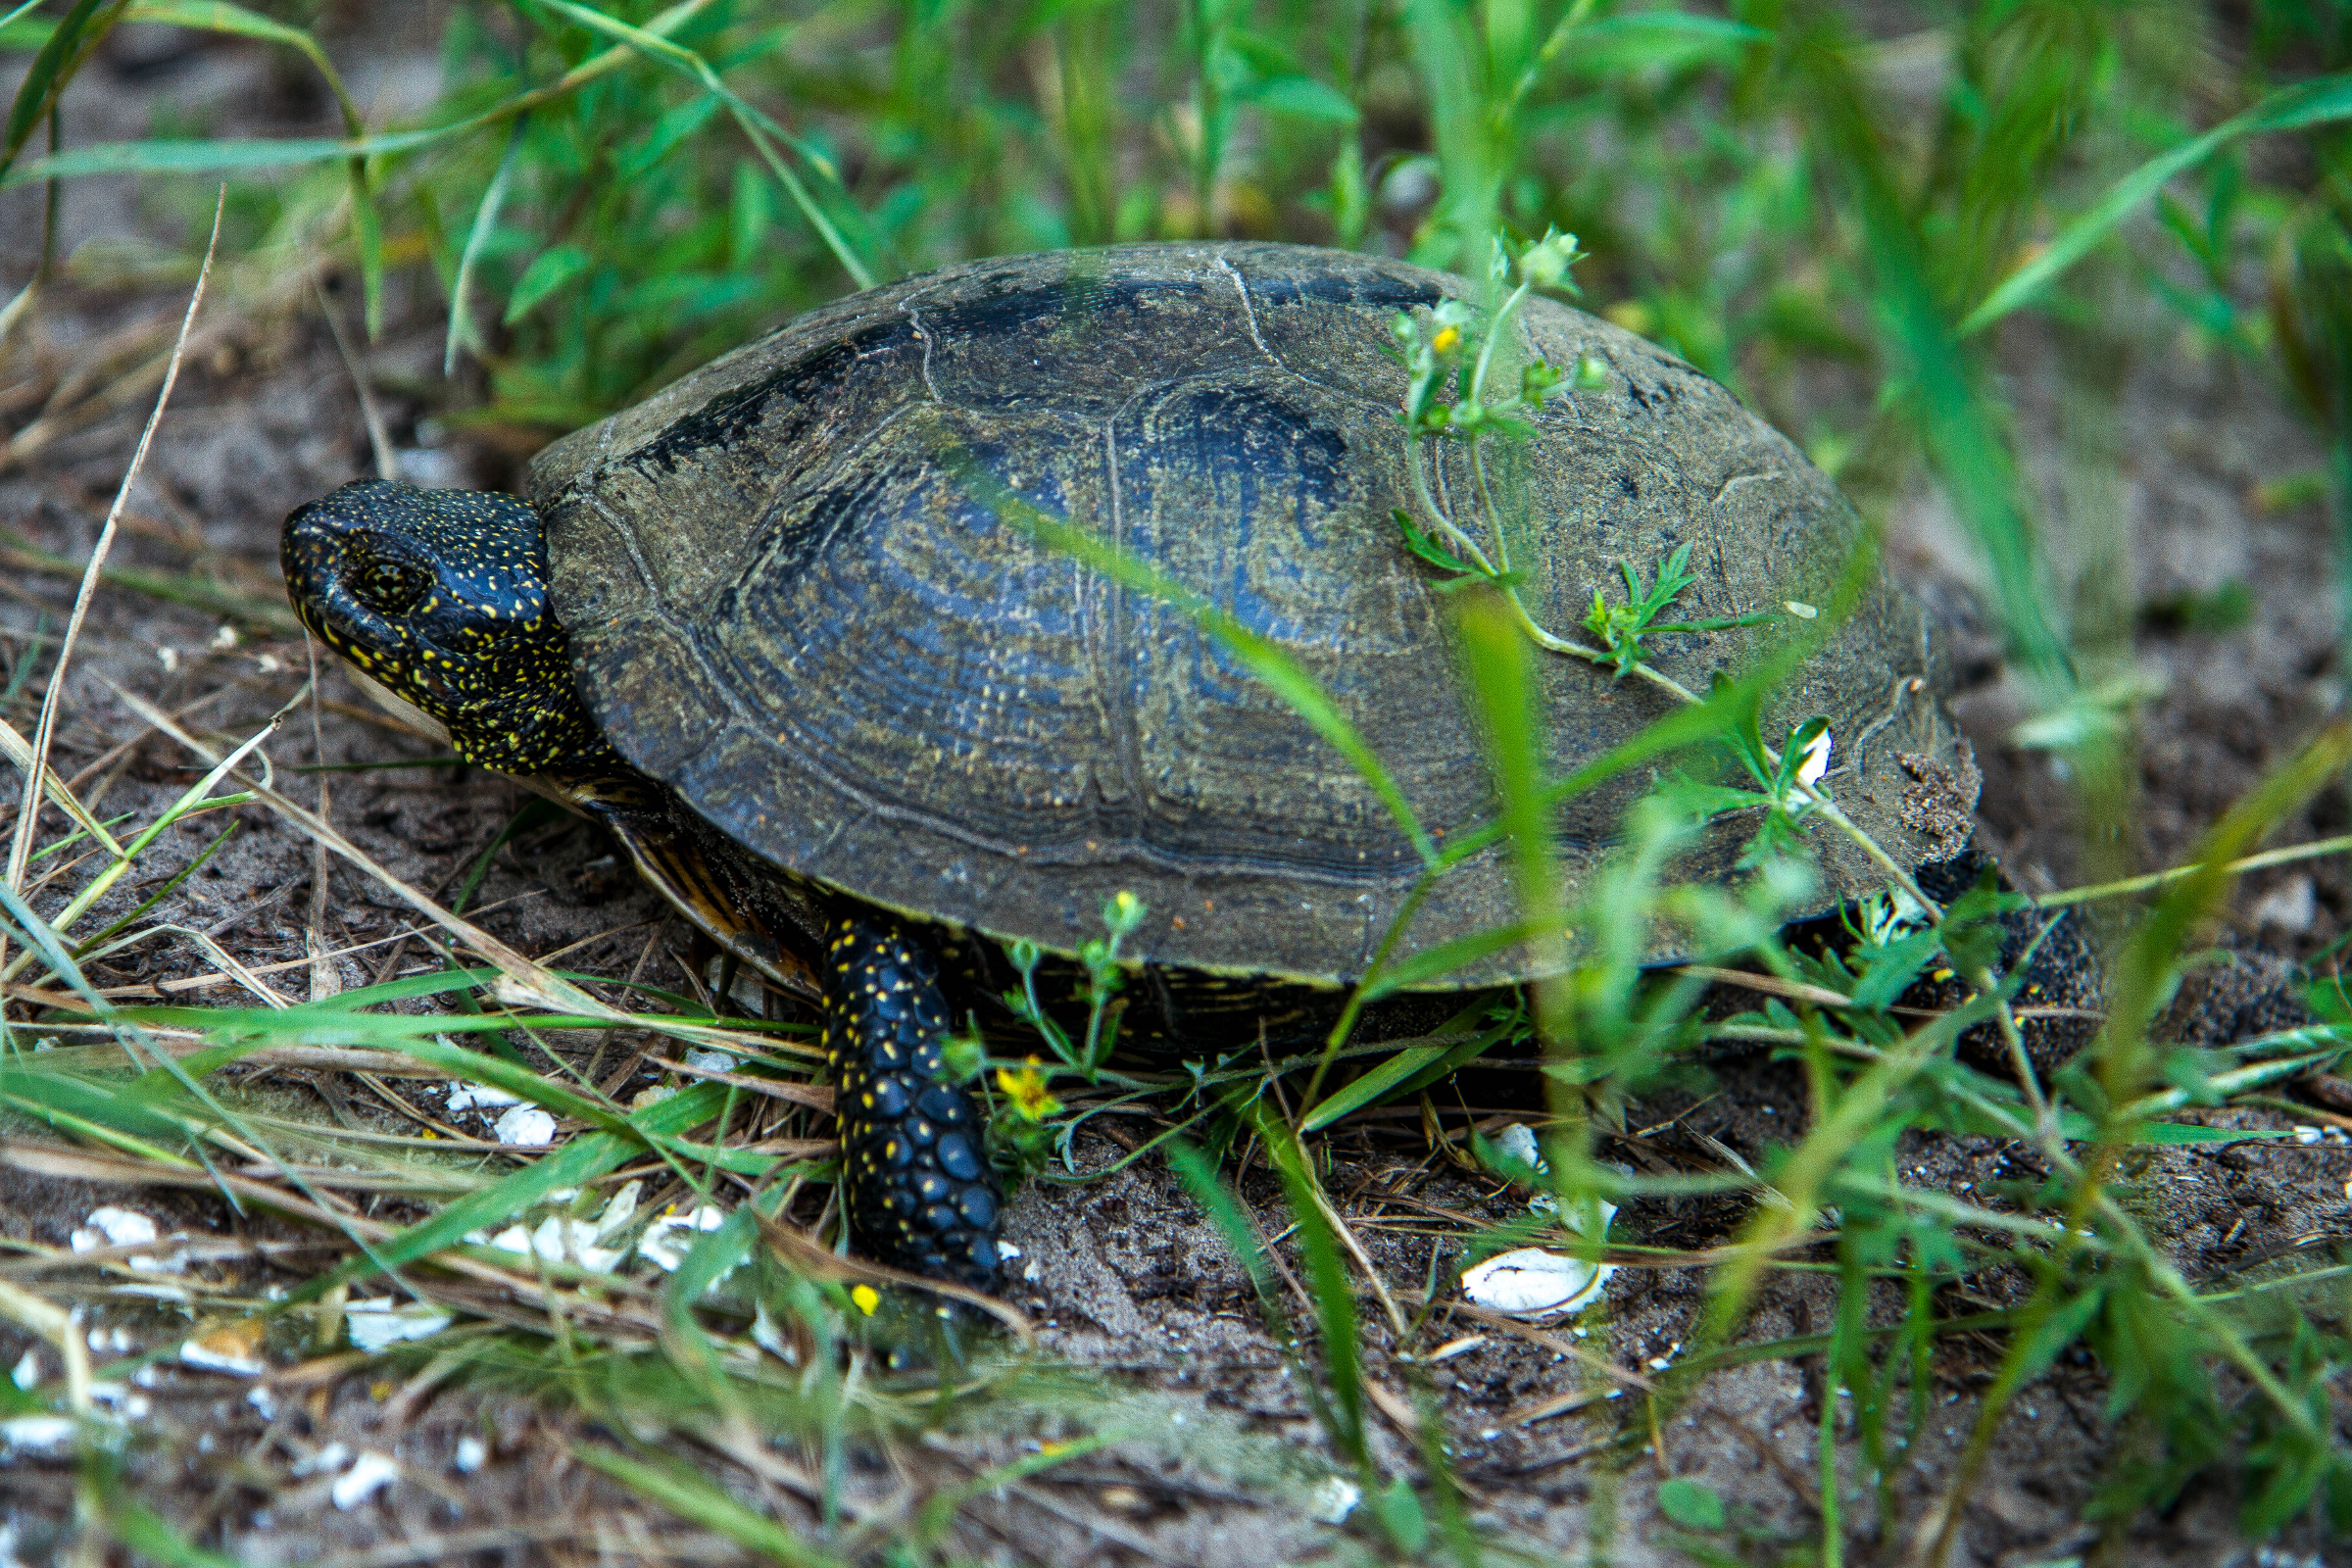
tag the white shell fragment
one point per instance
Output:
(1817, 761)
(711, 1060)
(233, 1348)
(1532, 1282)
(1538, 1282)
(37, 1436)
(370, 1474)
(1517, 1142)
(667, 1237)
(1334, 1499)
(334, 1456)
(123, 1227)
(526, 1124)
(562, 1239)
(480, 1097)
(377, 1323)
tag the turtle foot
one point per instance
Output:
(916, 1183)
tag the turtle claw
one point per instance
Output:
(916, 1183)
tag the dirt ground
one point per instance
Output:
(1124, 1274)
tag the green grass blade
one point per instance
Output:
(695, 1498)
(1327, 1277)
(2300, 107)
(863, 269)
(1498, 670)
(235, 156)
(477, 238)
(1372, 1085)
(79, 32)
(147, 1535)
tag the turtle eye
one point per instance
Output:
(387, 584)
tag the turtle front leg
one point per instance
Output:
(916, 1179)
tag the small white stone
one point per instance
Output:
(28, 1369)
(37, 1436)
(118, 1398)
(2290, 906)
(377, 1323)
(334, 1456)
(480, 1097)
(526, 1124)
(2306, 1134)
(1517, 1143)
(123, 1227)
(370, 1474)
(619, 1209)
(471, 1455)
(1334, 1499)
(713, 1060)
(119, 1227)
(264, 1403)
(667, 1237)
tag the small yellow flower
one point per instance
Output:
(1027, 1091)
(868, 1300)
(1447, 339)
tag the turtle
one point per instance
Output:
(788, 627)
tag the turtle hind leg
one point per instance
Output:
(916, 1183)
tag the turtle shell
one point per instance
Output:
(796, 592)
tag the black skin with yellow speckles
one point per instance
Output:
(915, 1177)
(440, 597)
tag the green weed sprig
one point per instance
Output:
(1104, 979)
(1449, 353)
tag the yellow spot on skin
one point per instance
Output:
(868, 1300)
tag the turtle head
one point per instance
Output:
(439, 598)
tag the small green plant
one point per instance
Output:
(1624, 630)
(1450, 352)
(1098, 990)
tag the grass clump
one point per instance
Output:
(605, 196)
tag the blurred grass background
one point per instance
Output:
(1839, 211)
